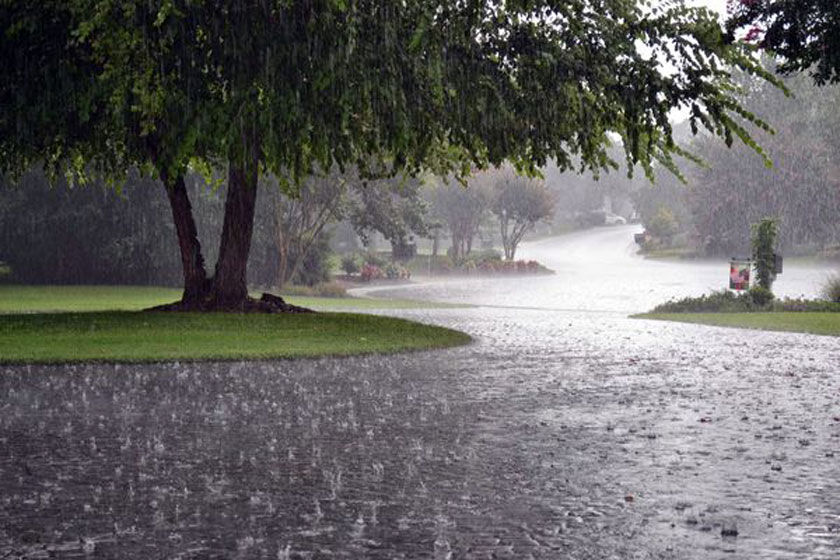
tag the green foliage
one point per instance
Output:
(314, 266)
(298, 85)
(395, 271)
(321, 290)
(723, 301)
(763, 251)
(804, 33)
(462, 209)
(761, 296)
(350, 264)
(831, 288)
(375, 259)
(756, 299)
(87, 234)
(663, 224)
(288, 87)
(802, 189)
(519, 203)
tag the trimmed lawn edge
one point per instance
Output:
(809, 322)
(147, 337)
(19, 299)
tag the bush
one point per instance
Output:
(663, 224)
(486, 255)
(724, 301)
(371, 272)
(761, 296)
(314, 269)
(350, 264)
(373, 259)
(324, 289)
(717, 301)
(831, 288)
(330, 289)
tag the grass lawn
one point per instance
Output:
(125, 336)
(50, 324)
(807, 322)
(30, 299)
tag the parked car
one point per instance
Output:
(614, 220)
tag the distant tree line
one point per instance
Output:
(734, 188)
(91, 234)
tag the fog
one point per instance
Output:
(599, 270)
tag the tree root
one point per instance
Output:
(268, 303)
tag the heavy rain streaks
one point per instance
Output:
(221, 145)
(548, 437)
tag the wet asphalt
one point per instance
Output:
(566, 430)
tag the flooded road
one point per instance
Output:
(566, 430)
(599, 270)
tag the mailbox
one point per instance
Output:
(778, 263)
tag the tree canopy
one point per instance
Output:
(804, 33)
(287, 86)
(519, 203)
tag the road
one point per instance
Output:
(566, 430)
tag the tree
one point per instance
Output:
(519, 203)
(393, 207)
(804, 33)
(299, 221)
(462, 209)
(285, 86)
(802, 188)
(763, 251)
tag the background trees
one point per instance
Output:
(802, 188)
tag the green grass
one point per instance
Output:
(62, 324)
(30, 299)
(807, 322)
(672, 253)
(124, 336)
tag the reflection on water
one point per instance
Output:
(558, 434)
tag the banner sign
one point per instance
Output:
(739, 274)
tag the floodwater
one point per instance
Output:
(567, 430)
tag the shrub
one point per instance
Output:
(663, 224)
(761, 296)
(763, 240)
(373, 259)
(392, 271)
(330, 289)
(371, 272)
(486, 255)
(717, 301)
(831, 288)
(725, 301)
(350, 264)
(324, 289)
(315, 267)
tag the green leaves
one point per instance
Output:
(306, 84)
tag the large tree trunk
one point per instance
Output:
(195, 275)
(230, 290)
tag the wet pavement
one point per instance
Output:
(567, 430)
